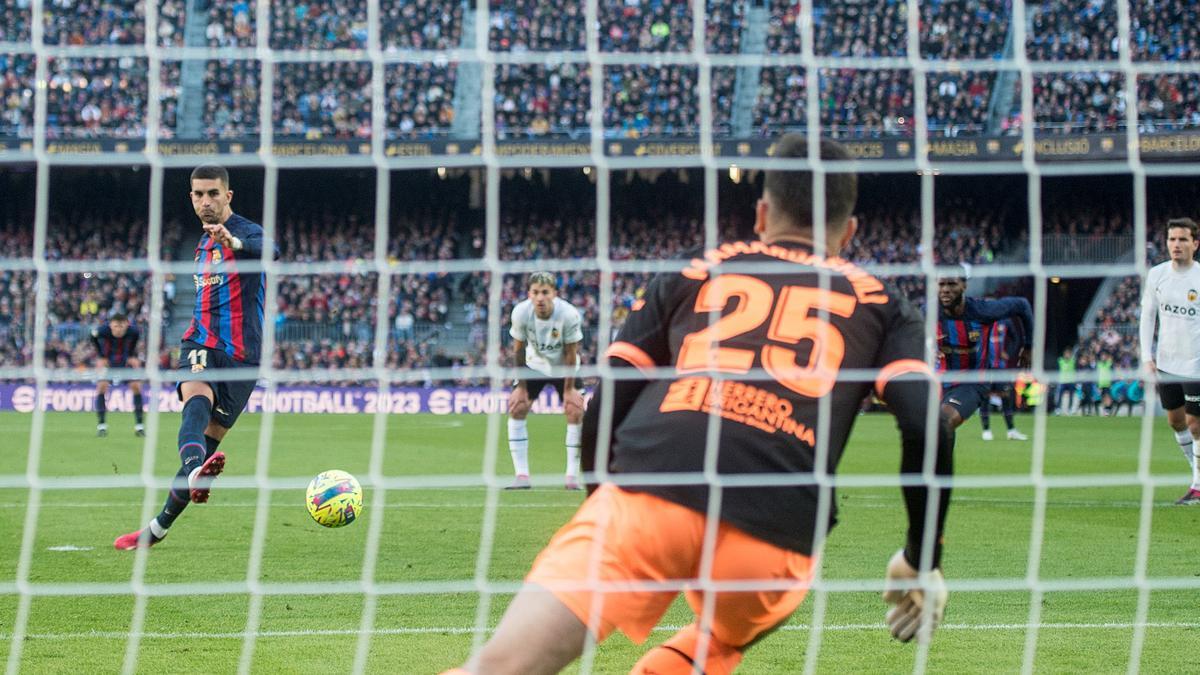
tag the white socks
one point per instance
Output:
(157, 530)
(518, 446)
(1195, 465)
(1186, 444)
(574, 434)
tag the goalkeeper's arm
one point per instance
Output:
(918, 594)
(624, 393)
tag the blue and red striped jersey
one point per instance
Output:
(1005, 344)
(229, 303)
(117, 350)
(964, 342)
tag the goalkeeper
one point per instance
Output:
(801, 318)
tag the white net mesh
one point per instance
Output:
(380, 61)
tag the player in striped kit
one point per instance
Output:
(964, 331)
(1003, 350)
(1171, 295)
(546, 332)
(225, 333)
(116, 345)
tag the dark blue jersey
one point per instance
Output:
(116, 350)
(964, 342)
(229, 303)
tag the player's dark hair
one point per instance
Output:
(1186, 223)
(792, 191)
(118, 316)
(210, 171)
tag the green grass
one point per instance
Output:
(433, 535)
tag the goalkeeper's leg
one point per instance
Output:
(538, 634)
(681, 656)
(738, 619)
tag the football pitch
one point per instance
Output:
(428, 555)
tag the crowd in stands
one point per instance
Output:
(103, 22)
(85, 97)
(77, 301)
(553, 98)
(869, 102)
(964, 29)
(331, 317)
(1096, 101)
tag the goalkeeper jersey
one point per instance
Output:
(760, 350)
(1173, 298)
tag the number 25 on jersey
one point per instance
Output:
(790, 324)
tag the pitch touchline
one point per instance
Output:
(117, 635)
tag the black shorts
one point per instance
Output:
(535, 382)
(1179, 393)
(116, 382)
(966, 398)
(1001, 389)
(229, 398)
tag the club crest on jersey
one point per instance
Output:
(216, 256)
(554, 333)
(1192, 295)
(197, 367)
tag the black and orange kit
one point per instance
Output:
(758, 334)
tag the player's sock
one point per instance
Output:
(518, 446)
(1186, 442)
(178, 497)
(1196, 465)
(678, 656)
(156, 529)
(192, 448)
(101, 407)
(985, 420)
(1008, 407)
(574, 437)
(137, 408)
(210, 446)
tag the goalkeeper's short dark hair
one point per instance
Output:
(211, 171)
(542, 278)
(792, 190)
(1186, 223)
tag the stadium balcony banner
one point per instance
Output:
(1093, 147)
(21, 397)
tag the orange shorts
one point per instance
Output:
(619, 536)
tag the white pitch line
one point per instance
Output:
(456, 630)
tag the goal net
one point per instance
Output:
(416, 161)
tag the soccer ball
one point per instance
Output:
(334, 498)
